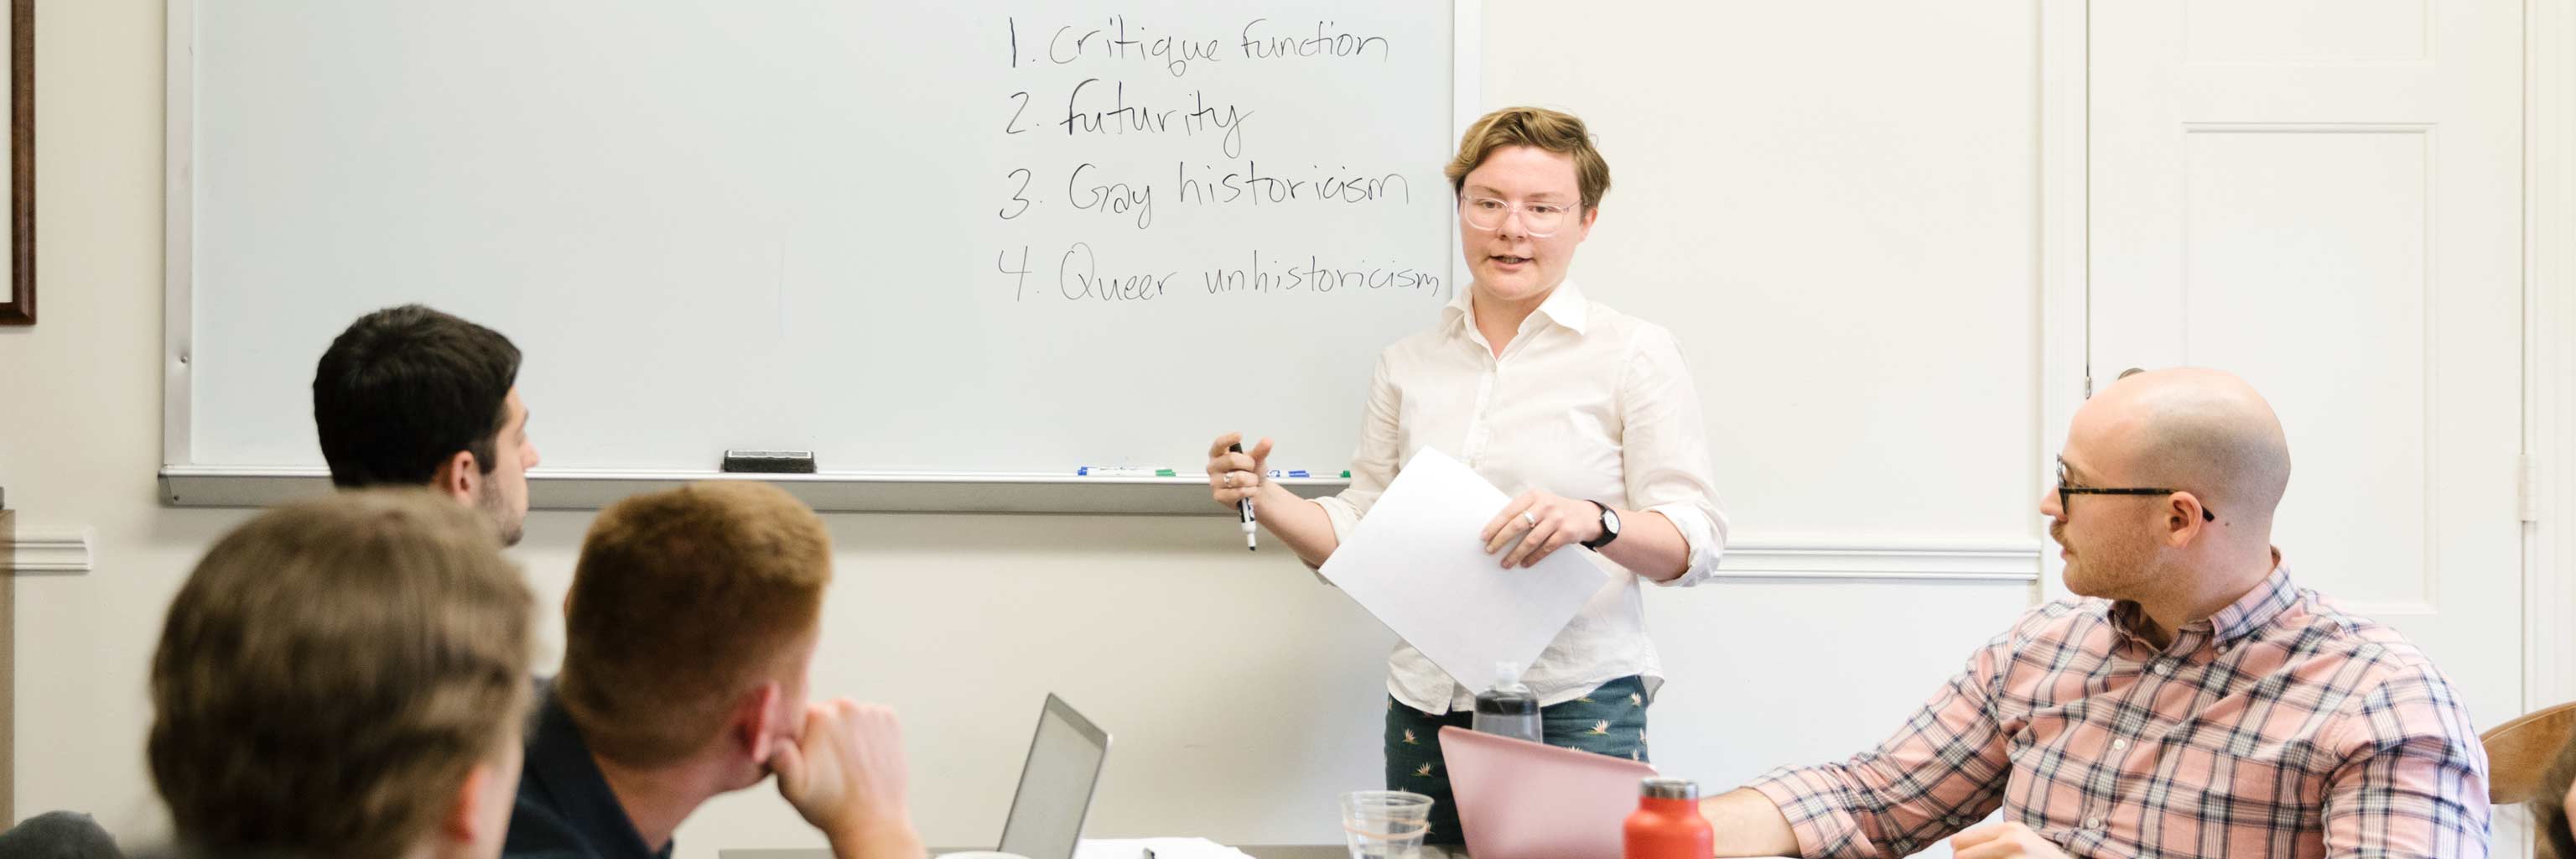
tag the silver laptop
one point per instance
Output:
(1056, 784)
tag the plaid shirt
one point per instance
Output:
(2281, 726)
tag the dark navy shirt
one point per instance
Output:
(565, 809)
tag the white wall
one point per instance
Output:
(1834, 208)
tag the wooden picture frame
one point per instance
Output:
(19, 308)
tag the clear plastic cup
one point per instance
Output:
(1385, 824)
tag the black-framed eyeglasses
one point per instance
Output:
(2066, 494)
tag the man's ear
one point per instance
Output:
(459, 477)
(756, 722)
(467, 808)
(2183, 522)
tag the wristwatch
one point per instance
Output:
(1609, 528)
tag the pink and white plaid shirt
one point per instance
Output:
(2281, 727)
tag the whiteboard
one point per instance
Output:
(922, 240)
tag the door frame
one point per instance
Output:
(2549, 352)
(2065, 239)
(2549, 309)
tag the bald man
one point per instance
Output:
(2192, 702)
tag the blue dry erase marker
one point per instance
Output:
(1245, 505)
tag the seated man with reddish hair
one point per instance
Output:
(688, 636)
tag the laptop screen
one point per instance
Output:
(1055, 785)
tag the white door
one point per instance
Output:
(2325, 197)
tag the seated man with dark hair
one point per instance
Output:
(410, 396)
(58, 835)
(345, 677)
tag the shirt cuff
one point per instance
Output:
(1702, 540)
(1810, 799)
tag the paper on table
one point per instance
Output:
(1416, 562)
(1164, 848)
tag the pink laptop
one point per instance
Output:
(1523, 800)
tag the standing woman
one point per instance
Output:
(1586, 414)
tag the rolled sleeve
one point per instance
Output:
(1817, 802)
(1664, 451)
(1704, 531)
(2413, 783)
(1343, 512)
(1942, 772)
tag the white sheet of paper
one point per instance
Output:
(1164, 848)
(1417, 563)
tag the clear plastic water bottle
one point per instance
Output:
(1508, 709)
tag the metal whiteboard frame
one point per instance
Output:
(186, 483)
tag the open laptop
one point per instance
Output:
(1523, 800)
(1056, 784)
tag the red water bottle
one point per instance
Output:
(1667, 824)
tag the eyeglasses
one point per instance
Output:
(1539, 220)
(2066, 494)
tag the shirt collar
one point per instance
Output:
(559, 758)
(1566, 307)
(2231, 623)
(2256, 608)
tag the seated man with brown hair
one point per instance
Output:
(345, 677)
(689, 632)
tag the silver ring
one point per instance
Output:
(1531, 516)
(1229, 479)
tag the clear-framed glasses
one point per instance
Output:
(1539, 220)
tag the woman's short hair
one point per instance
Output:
(1554, 131)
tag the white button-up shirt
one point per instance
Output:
(1585, 402)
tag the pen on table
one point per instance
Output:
(1245, 505)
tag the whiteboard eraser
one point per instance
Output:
(769, 461)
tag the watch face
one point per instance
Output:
(1609, 522)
